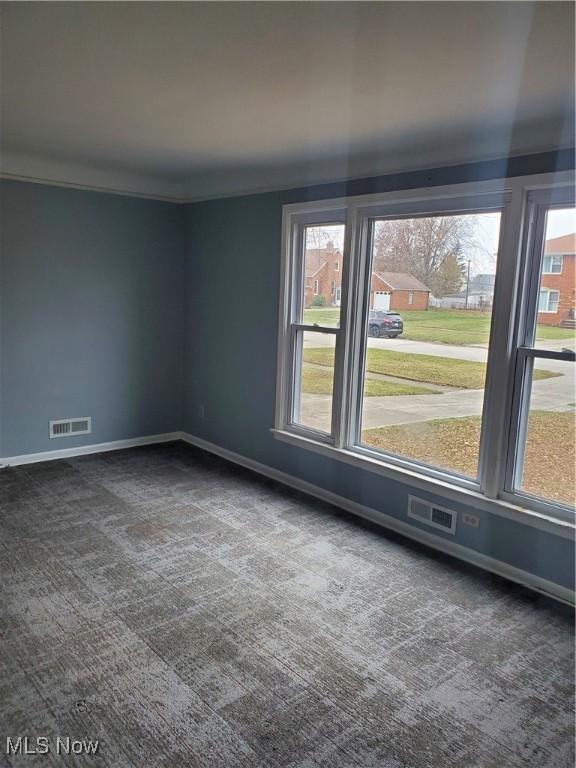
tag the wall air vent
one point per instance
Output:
(70, 427)
(431, 514)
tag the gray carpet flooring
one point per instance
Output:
(185, 612)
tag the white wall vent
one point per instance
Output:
(432, 514)
(70, 427)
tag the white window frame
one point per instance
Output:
(548, 292)
(553, 257)
(316, 287)
(410, 297)
(337, 266)
(488, 491)
(538, 202)
(292, 327)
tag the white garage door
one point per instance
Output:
(382, 300)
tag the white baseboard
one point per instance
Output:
(452, 548)
(83, 450)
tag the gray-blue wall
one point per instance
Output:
(91, 315)
(232, 283)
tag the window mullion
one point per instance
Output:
(294, 374)
(342, 359)
(294, 275)
(518, 421)
(527, 300)
(495, 432)
(358, 287)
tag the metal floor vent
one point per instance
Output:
(70, 427)
(431, 514)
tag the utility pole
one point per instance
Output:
(467, 284)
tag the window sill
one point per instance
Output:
(531, 518)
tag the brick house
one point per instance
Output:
(398, 291)
(323, 276)
(389, 290)
(557, 298)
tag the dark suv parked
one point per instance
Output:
(382, 323)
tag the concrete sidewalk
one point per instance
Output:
(316, 410)
(555, 394)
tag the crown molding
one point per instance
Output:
(165, 188)
(37, 170)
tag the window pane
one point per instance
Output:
(553, 300)
(549, 459)
(556, 321)
(315, 380)
(431, 291)
(323, 246)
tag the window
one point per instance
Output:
(541, 462)
(336, 266)
(548, 300)
(333, 290)
(477, 396)
(313, 333)
(552, 263)
(424, 403)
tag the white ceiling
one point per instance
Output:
(193, 100)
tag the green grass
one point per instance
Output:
(327, 316)
(551, 332)
(319, 382)
(440, 326)
(461, 327)
(462, 374)
(447, 327)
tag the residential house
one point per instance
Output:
(557, 298)
(479, 295)
(388, 290)
(323, 276)
(398, 291)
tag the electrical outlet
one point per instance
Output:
(201, 411)
(472, 520)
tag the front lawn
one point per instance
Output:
(549, 465)
(316, 381)
(440, 325)
(326, 316)
(447, 327)
(462, 327)
(462, 374)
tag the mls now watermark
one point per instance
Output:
(44, 745)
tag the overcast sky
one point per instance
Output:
(561, 222)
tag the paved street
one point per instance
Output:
(548, 394)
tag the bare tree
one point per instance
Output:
(430, 248)
(322, 237)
